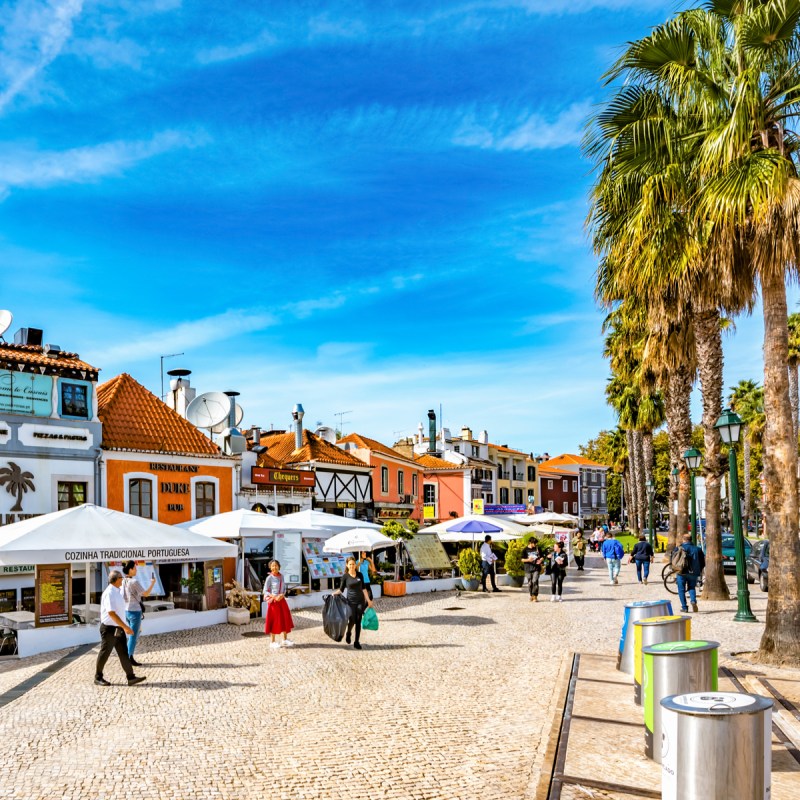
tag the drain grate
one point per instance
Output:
(454, 608)
(254, 634)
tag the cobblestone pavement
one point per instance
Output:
(452, 698)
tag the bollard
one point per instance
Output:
(640, 609)
(647, 632)
(716, 746)
(673, 668)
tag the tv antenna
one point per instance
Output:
(341, 415)
(168, 355)
(6, 318)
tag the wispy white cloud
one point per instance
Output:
(107, 53)
(211, 55)
(538, 130)
(33, 35)
(22, 167)
(541, 322)
(326, 26)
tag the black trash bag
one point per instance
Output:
(335, 616)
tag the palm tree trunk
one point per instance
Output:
(679, 426)
(641, 491)
(794, 399)
(780, 642)
(633, 506)
(708, 338)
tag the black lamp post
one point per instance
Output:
(692, 458)
(651, 492)
(730, 427)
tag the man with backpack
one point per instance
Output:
(688, 561)
(612, 553)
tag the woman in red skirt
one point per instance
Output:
(279, 618)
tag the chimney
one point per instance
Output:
(233, 443)
(466, 433)
(297, 415)
(181, 392)
(483, 437)
(255, 435)
(431, 431)
(420, 433)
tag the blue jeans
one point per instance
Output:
(640, 567)
(487, 571)
(134, 620)
(685, 582)
(613, 568)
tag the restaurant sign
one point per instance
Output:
(282, 477)
(53, 595)
(25, 393)
(505, 509)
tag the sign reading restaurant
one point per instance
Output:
(282, 477)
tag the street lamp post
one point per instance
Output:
(730, 427)
(651, 491)
(692, 459)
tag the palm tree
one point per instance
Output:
(794, 359)
(16, 482)
(747, 400)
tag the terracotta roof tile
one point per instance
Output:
(135, 419)
(505, 449)
(280, 447)
(568, 458)
(428, 462)
(372, 444)
(555, 471)
(33, 356)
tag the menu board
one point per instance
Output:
(426, 552)
(53, 595)
(322, 565)
(289, 552)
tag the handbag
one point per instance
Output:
(369, 622)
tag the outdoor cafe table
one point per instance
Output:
(17, 620)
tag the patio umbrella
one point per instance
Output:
(312, 520)
(357, 539)
(238, 524)
(505, 525)
(473, 530)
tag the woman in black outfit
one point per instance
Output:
(558, 569)
(352, 587)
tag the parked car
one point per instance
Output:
(758, 564)
(729, 552)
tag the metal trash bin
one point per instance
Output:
(716, 746)
(641, 609)
(655, 630)
(673, 668)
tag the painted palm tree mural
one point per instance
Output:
(16, 482)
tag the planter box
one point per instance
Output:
(394, 588)
(238, 616)
(432, 585)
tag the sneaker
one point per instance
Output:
(275, 645)
(552, 598)
(357, 646)
(560, 599)
(645, 581)
(101, 681)
(135, 663)
(287, 643)
(136, 679)
(616, 582)
(685, 610)
(694, 607)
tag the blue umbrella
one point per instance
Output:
(474, 526)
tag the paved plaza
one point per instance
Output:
(453, 698)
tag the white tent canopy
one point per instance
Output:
(320, 521)
(501, 522)
(548, 518)
(357, 539)
(91, 533)
(239, 524)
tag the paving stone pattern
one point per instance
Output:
(433, 707)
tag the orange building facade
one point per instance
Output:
(446, 491)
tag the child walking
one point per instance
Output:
(279, 618)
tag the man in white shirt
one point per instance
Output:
(487, 564)
(113, 630)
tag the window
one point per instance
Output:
(457, 448)
(8, 600)
(564, 486)
(602, 479)
(140, 498)
(70, 494)
(531, 474)
(384, 480)
(401, 482)
(415, 484)
(574, 486)
(430, 493)
(518, 497)
(566, 507)
(74, 400)
(204, 504)
(503, 497)
(549, 505)
(490, 498)
(585, 495)
(602, 497)
(474, 451)
(594, 497)
(550, 485)
(574, 508)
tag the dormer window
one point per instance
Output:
(74, 400)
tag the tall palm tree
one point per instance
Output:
(794, 360)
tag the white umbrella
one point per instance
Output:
(238, 524)
(550, 518)
(90, 533)
(312, 520)
(501, 522)
(551, 530)
(357, 539)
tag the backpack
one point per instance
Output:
(679, 560)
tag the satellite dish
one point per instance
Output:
(221, 426)
(208, 410)
(6, 318)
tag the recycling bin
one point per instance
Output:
(641, 609)
(653, 630)
(673, 668)
(716, 746)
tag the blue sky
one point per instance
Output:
(372, 207)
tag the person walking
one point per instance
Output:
(643, 557)
(366, 566)
(354, 591)
(612, 552)
(278, 618)
(597, 539)
(579, 549)
(133, 593)
(487, 564)
(533, 558)
(689, 567)
(559, 561)
(112, 632)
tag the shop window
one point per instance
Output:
(415, 484)
(74, 400)
(518, 496)
(28, 598)
(70, 494)
(204, 505)
(384, 480)
(287, 508)
(8, 600)
(503, 497)
(140, 498)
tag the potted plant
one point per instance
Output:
(394, 530)
(196, 585)
(238, 602)
(469, 565)
(515, 569)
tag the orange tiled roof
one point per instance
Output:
(429, 462)
(372, 444)
(135, 419)
(555, 471)
(33, 357)
(507, 449)
(568, 458)
(280, 447)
